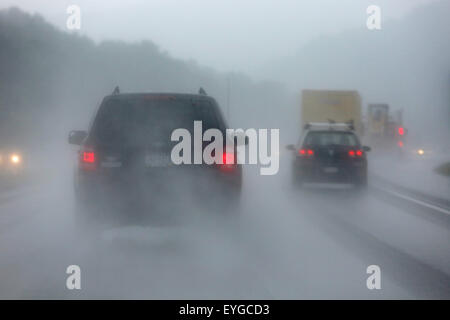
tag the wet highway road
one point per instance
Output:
(288, 244)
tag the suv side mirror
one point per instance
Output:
(290, 147)
(366, 148)
(77, 136)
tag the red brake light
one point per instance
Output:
(228, 158)
(306, 152)
(88, 156)
(351, 153)
(359, 153)
(401, 131)
(228, 163)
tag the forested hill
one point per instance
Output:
(51, 79)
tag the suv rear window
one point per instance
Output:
(327, 138)
(149, 121)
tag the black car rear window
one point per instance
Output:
(327, 138)
(149, 121)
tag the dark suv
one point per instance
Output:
(330, 153)
(125, 158)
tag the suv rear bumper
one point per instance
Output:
(125, 191)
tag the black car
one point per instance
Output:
(329, 153)
(125, 162)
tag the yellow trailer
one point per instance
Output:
(331, 105)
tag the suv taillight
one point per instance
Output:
(228, 162)
(88, 159)
(88, 156)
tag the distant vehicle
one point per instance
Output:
(377, 120)
(420, 149)
(421, 152)
(11, 162)
(332, 105)
(124, 160)
(385, 128)
(329, 152)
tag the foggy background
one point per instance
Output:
(226, 35)
(254, 57)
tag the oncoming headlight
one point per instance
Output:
(421, 152)
(15, 159)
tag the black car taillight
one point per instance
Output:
(306, 152)
(355, 153)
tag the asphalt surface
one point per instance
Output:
(288, 244)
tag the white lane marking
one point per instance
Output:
(422, 203)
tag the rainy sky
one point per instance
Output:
(231, 35)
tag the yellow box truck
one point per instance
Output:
(331, 105)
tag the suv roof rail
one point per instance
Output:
(331, 124)
(116, 90)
